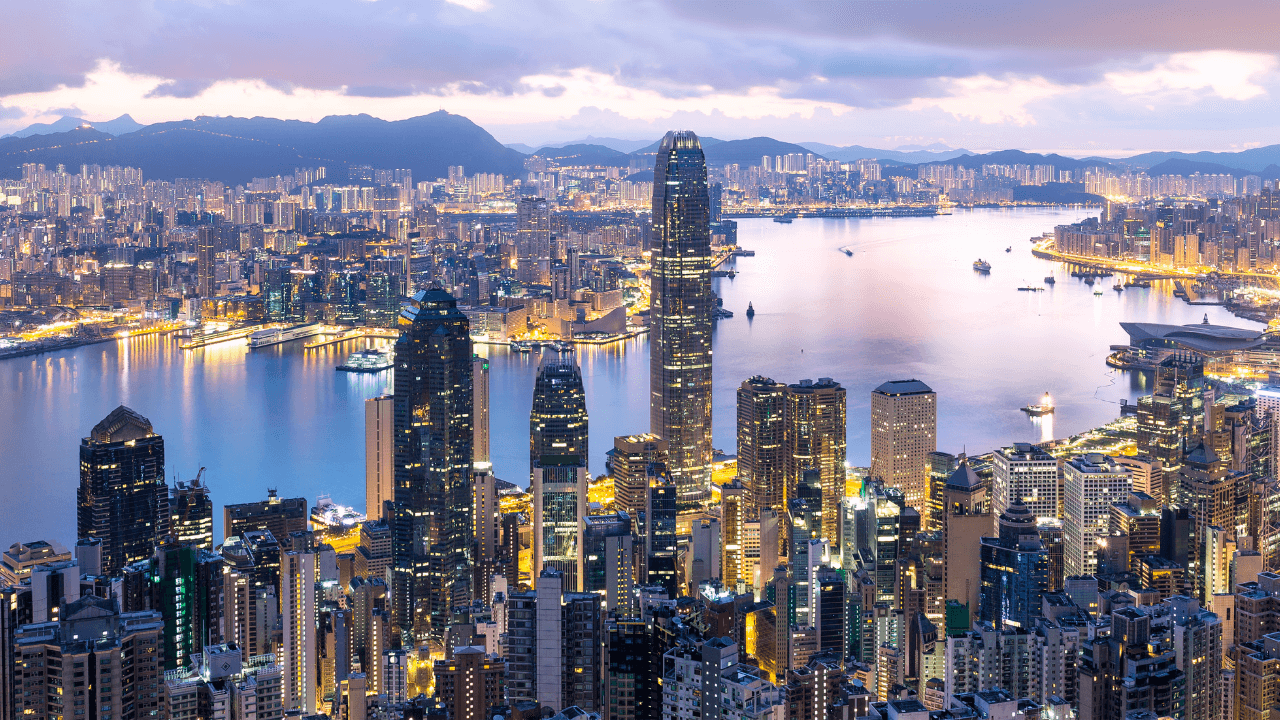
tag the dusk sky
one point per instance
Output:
(1076, 77)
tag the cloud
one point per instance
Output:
(990, 100)
(1229, 75)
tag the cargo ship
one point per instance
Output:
(1044, 408)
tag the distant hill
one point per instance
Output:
(234, 150)
(585, 155)
(1018, 157)
(622, 146)
(119, 126)
(850, 153)
(1253, 161)
(748, 152)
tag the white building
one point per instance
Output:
(1092, 483)
(1027, 472)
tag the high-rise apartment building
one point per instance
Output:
(681, 308)
(470, 682)
(733, 557)
(379, 455)
(191, 514)
(123, 499)
(480, 405)
(533, 228)
(1027, 473)
(762, 458)
(206, 262)
(631, 464)
(299, 652)
(904, 430)
(1092, 483)
(432, 531)
(815, 441)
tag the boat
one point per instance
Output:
(981, 265)
(783, 219)
(1088, 280)
(275, 336)
(1118, 287)
(521, 346)
(1138, 284)
(1009, 249)
(1030, 288)
(733, 274)
(1049, 280)
(1044, 408)
(368, 361)
(559, 346)
(751, 311)
(1097, 293)
(848, 252)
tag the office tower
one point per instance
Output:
(941, 465)
(733, 558)
(282, 517)
(63, 671)
(381, 299)
(1205, 487)
(631, 465)
(219, 677)
(1138, 519)
(379, 455)
(904, 430)
(1092, 483)
(488, 537)
(762, 458)
(815, 440)
(123, 499)
(187, 587)
(632, 673)
(558, 426)
(830, 611)
(191, 514)
(1148, 476)
(432, 532)
(533, 227)
(702, 561)
(660, 536)
(1027, 473)
(480, 403)
(1171, 419)
(966, 519)
(681, 307)
(559, 490)
(1015, 570)
(469, 683)
(299, 654)
(206, 259)
(607, 553)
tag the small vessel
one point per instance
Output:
(1009, 249)
(1044, 408)
(1118, 287)
(521, 346)
(751, 311)
(1049, 280)
(848, 252)
(1088, 280)
(783, 219)
(1138, 284)
(1030, 288)
(981, 265)
(368, 361)
(1097, 293)
(559, 346)
(733, 274)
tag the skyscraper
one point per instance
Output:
(432, 531)
(815, 440)
(630, 464)
(533, 228)
(379, 454)
(1015, 569)
(123, 499)
(558, 420)
(762, 442)
(1027, 473)
(904, 430)
(681, 306)
(480, 403)
(191, 513)
(1093, 482)
(206, 259)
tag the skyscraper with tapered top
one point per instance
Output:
(681, 307)
(432, 529)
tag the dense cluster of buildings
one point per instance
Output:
(1026, 584)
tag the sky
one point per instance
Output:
(1080, 78)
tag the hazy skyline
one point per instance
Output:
(1080, 78)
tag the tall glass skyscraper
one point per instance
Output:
(558, 420)
(432, 529)
(681, 307)
(558, 468)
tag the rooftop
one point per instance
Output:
(904, 387)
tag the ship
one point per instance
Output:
(521, 346)
(1030, 288)
(1009, 249)
(1088, 280)
(981, 265)
(275, 336)
(751, 311)
(1044, 408)
(368, 361)
(848, 252)
(1138, 284)
(1048, 280)
(783, 218)
(1118, 287)
(1097, 293)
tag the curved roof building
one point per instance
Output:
(1202, 338)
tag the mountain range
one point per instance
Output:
(233, 150)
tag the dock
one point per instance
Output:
(199, 341)
(352, 334)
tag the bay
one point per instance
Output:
(906, 304)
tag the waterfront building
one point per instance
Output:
(558, 424)
(191, 514)
(469, 683)
(631, 463)
(1015, 570)
(1171, 418)
(904, 430)
(123, 499)
(762, 457)
(681, 308)
(432, 531)
(95, 660)
(379, 455)
(815, 441)
(480, 405)
(1027, 473)
(1092, 483)
(282, 517)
